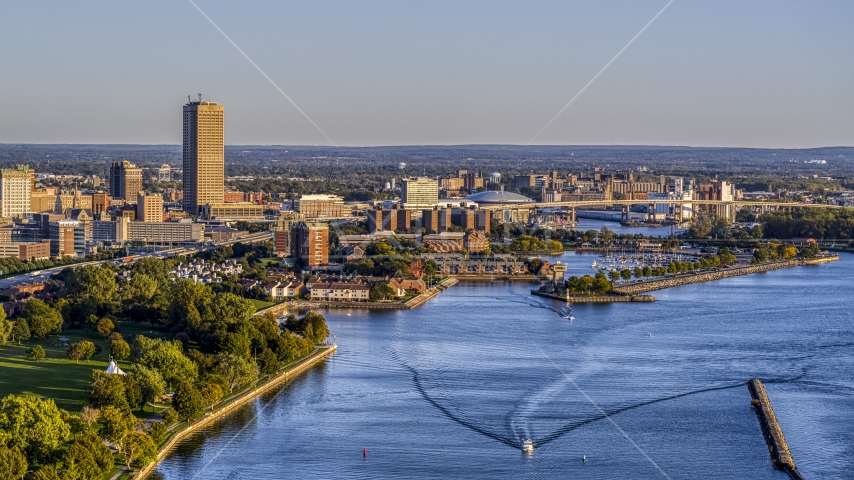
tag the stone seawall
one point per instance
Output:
(635, 288)
(210, 417)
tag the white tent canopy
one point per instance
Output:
(114, 368)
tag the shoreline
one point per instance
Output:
(635, 288)
(599, 298)
(295, 368)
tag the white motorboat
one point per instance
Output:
(527, 446)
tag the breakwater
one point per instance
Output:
(598, 298)
(635, 288)
(287, 372)
(780, 455)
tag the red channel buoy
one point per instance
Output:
(364, 452)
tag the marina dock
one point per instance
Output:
(780, 455)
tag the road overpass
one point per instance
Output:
(730, 206)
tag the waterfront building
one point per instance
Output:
(310, 243)
(417, 193)
(149, 208)
(125, 180)
(203, 155)
(16, 185)
(340, 291)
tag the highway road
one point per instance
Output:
(42, 275)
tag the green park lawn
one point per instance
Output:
(54, 376)
(261, 304)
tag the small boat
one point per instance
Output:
(593, 265)
(568, 310)
(527, 446)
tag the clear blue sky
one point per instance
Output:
(705, 73)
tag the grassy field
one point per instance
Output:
(56, 377)
(261, 304)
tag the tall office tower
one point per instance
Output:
(15, 189)
(419, 192)
(125, 180)
(203, 155)
(149, 208)
(310, 243)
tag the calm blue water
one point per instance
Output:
(448, 390)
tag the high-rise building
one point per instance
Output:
(436, 220)
(149, 208)
(125, 180)
(203, 155)
(310, 243)
(15, 189)
(67, 237)
(419, 192)
(395, 220)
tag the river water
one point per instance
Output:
(450, 389)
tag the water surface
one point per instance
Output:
(450, 389)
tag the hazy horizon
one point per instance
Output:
(726, 74)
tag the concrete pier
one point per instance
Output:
(780, 455)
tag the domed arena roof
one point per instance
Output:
(497, 198)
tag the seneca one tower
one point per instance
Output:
(203, 155)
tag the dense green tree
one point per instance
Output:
(150, 382)
(626, 274)
(36, 353)
(292, 347)
(188, 402)
(232, 309)
(75, 351)
(211, 393)
(170, 417)
(41, 318)
(107, 389)
(601, 285)
(88, 348)
(267, 362)
(33, 425)
(312, 326)
(105, 327)
(726, 256)
(116, 424)
(190, 303)
(21, 331)
(13, 464)
(120, 350)
(236, 370)
(138, 447)
(154, 268)
(6, 327)
(140, 288)
(78, 463)
(167, 358)
(382, 291)
(614, 276)
(47, 472)
(98, 283)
